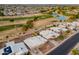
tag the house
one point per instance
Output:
(55, 29)
(49, 34)
(62, 25)
(64, 29)
(6, 51)
(20, 49)
(34, 42)
(14, 49)
(71, 27)
(75, 24)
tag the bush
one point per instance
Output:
(29, 21)
(7, 36)
(61, 37)
(1, 14)
(25, 27)
(28, 25)
(35, 18)
(11, 20)
(68, 31)
(75, 52)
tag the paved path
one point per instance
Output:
(65, 47)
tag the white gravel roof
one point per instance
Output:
(48, 34)
(17, 48)
(35, 41)
(21, 48)
(56, 29)
(10, 43)
(1, 51)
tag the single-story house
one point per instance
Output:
(64, 29)
(75, 23)
(34, 42)
(49, 34)
(62, 25)
(14, 49)
(55, 29)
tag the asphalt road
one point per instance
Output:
(65, 47)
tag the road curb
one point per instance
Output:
(62, 42)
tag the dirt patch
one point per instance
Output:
(21, 36)
(43, 22)
(46, 47)
(2, 44)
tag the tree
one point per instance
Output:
(28, 25)
(1, 11)
(1, 14)
(43, 10)
(35, 18)
(29, 22)
(50, 12)
(11, 20)
(25, 27)
(77, 16)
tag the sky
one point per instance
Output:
(39, 1)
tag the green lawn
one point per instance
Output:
(61, 37)
(2, 28)
(26, 18)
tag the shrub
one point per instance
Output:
(68, 31)
(11, 20)
(75, 52)
(61, 37)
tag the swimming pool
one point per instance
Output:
(61, 18)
